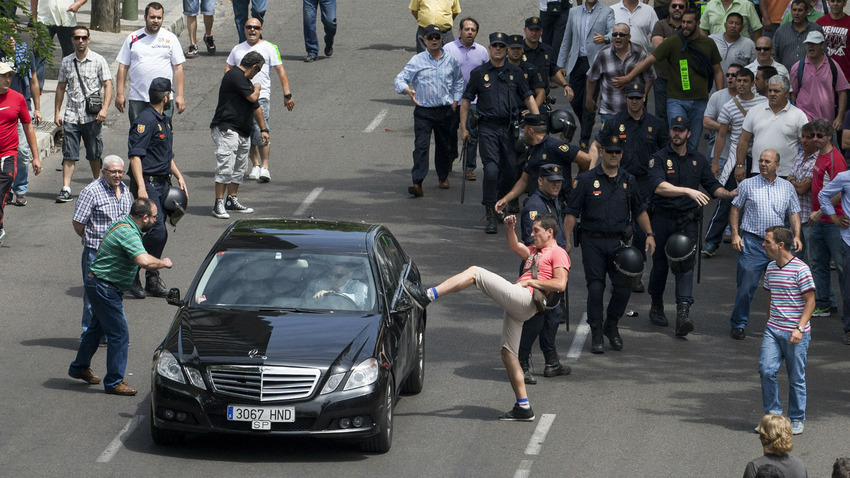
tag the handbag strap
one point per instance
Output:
(82, 84)
(740, 107)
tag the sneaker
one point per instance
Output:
(821, 312)
(710, 249)
(264, 175)
(846, 338)
(416, 293)
(218, 210)
(310, 58)
(192, 52)
(210, 43)
(518, 414)
(232, 204)
(2, 237)
(20, 200)
(329, 50)
(255, 173)
(64, 195)
(797, 427)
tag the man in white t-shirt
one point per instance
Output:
(149, 53)
(270, 52)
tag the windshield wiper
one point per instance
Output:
(288, 309)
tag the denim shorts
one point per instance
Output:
(190, 7)
(256, 139)
(90, 135)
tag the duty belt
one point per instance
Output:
(604, 235)
(690, 215)
(149, 178)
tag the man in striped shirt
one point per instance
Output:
(434, 82)
(791, 299)
(118, 259)
(766, 200)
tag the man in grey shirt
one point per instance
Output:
(788, 43)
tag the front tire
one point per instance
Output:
(383, 441)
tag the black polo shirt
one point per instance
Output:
(606, 205)
(151, 139)
(537, 204)
(541, 57)
(641, 139)
(690, 171)
(497, 90)
(550, 150)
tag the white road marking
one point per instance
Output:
(581, 335)
(535, 443)
(118, 441)
(314, 194)
(375, 122)
(524, 470)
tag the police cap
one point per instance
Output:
(515, 41)
(497, 38)
(533, 22)
(680, 122)
(532, 119)
(612, 143)
(634, 89)
(552, 172)
(160, 85)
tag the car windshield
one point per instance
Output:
(274, 279)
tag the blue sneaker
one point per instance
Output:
(797, 427)
(710, 249)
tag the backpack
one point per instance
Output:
(832, 69)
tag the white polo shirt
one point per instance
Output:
(640, 22)
(270, 53)
(149, 57)
(779, 131)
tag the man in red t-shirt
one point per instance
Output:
(13, 108)
(823, 237)
(835, 27)
(543, 259)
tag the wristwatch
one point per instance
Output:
(650, 234)
(287, 97)
(264, 130)
(800, 329)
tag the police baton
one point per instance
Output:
(463, 172)
(699, 246)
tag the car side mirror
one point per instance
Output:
(173, 297)
(403, 304)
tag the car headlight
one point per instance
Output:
(195, 377)
(333, 383)
(168, 367)
(365, 373)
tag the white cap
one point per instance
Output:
(814, 37)
(6, 68)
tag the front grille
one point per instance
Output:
(299, 425)
(263, 383)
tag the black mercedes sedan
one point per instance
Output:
(292, 327)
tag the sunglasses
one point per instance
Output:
(80, 37)
(763, 48)
(814, 135)
(433, 37)
(253, 27)
(618, 34)
(616, 151)
(677, 6)
(499, 45)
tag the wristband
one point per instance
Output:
(264, 130)
(287, 97)
(650, 234)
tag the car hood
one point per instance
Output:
(276, 337)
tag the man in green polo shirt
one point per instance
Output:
(117, 262)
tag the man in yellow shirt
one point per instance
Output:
(434, 12)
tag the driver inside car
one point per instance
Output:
(340, 282)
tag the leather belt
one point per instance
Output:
(149, 178)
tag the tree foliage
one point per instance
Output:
(41, 44)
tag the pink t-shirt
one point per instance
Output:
(548, 259)
(13, 107)
(816, 97)
(826, 167)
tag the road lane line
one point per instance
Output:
(314, 194)
(118, 441)
(581, 335)
(539, 435)
(524, 470)
(375, 122)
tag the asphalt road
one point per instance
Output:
(663, 406)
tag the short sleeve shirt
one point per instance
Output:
(97, 207)
(233, 109)
(690, 171)
(827, 166)
(435, 12)
(714, 16)
(115, 258)
(94, 71)
(270, 53)
(548, 259)
(149, 57)
(836, 32)
(684, 83)
(151, 140)
(13, 108)
(786, 285)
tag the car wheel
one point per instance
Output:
(383, 441)
(416, 379)
(165, 437)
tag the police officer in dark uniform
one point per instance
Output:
(609, 203)
(498, 85)
(642, 135)
(532, 75)
(675, 175)
(543, 324)
(542, 55)
(543, 149)
(151, 167)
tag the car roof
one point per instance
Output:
(313, 235)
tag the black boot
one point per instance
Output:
(684, 325)
(136, 291)
(554, 367)
(154, 285)
(526, 370)
(490, 227)
(597, 341)
(656, 313)
(609, 329)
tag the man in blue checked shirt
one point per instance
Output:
(434, 82)
(766, 200)
(840, 184)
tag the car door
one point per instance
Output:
(392, 266)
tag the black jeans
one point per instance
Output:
(554, 25)
(425, 120)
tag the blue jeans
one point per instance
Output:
(311, 41)
(776, 349)
(752, 263)
(19, 187)
(694, 111)
(824, 243)
(240, 14)
(845, 287)
(107, 319)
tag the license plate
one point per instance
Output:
(238, 413)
